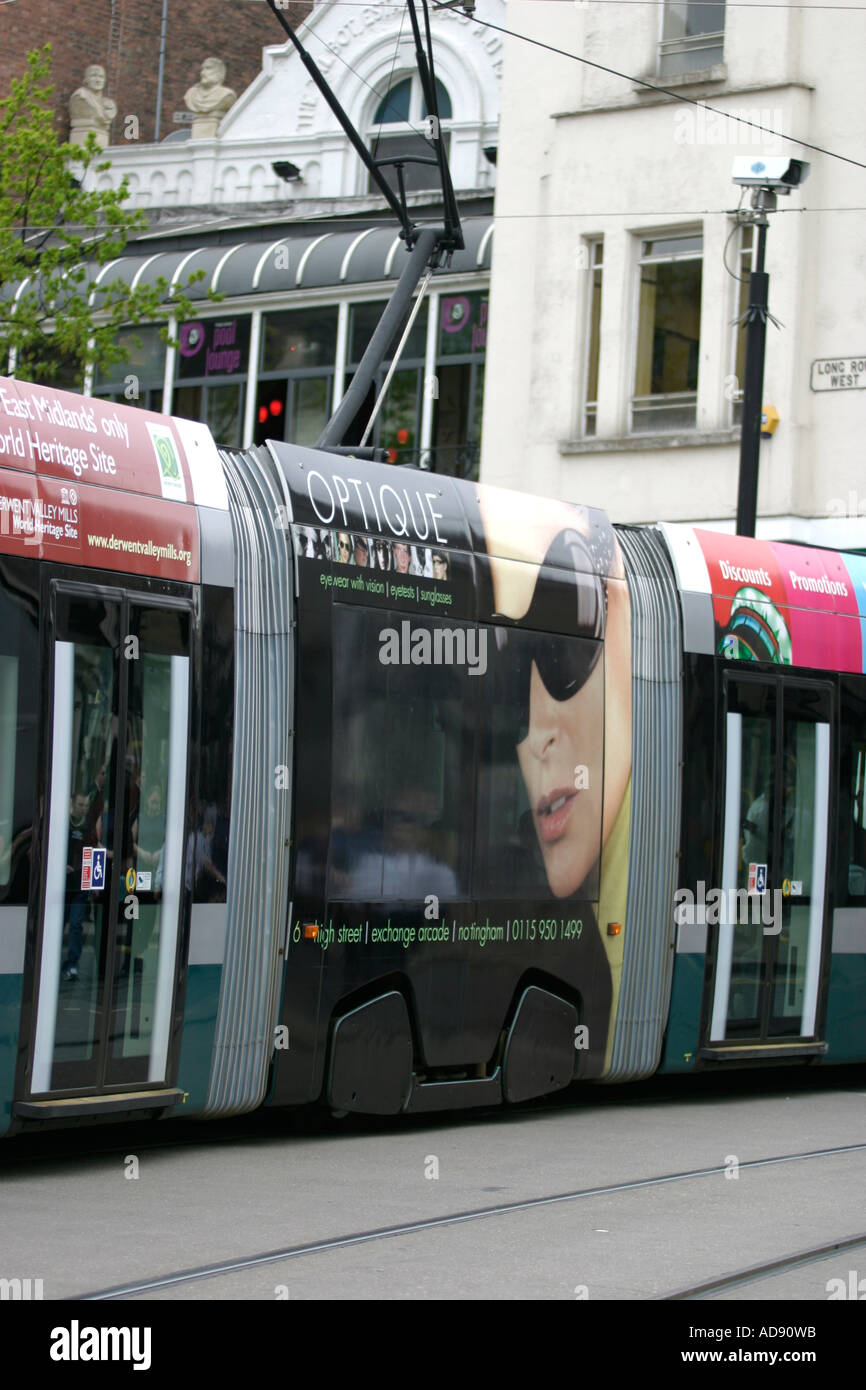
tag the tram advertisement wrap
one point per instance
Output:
(785, 603)
(553, 584)
(473, 824)
(82, 525)
(464, 967)
(81, 439)
(75, 473)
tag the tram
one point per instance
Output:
(324, 781)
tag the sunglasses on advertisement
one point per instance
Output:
(564, 665)
(561, 633)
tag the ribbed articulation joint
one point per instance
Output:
(258, 869)
(654, 830)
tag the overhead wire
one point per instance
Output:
(390, 84)
(664, 91)
(422, 134)
(341, 219)
(714, 4)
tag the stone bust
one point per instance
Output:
(90, 111)
(209, 99)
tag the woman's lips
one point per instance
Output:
(553, 811)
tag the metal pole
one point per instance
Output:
(381, 339)
(397, 355)
(753, 388)
(161, 75)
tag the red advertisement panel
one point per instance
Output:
(79, 439)
(78, 524)
(783, 603)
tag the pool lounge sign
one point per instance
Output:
(213, 347)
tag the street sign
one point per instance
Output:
(839, 374)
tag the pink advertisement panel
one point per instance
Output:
(106, 530)
(787, 604)
(88, 482)
(80, 439)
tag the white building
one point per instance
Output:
(367, 55)
(306, 260)
(614, 365)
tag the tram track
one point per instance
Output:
(771, 1270)
(160, 1283)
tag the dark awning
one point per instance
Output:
(315, 261)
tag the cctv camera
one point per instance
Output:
(779, 174)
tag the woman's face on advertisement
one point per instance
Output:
(560, 754)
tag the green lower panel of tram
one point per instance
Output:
(684, 1014)
(844, 1031)
(197, 1037)
(10, 1022)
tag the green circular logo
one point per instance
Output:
(167, 459)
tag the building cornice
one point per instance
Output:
(660, 99)
(649, 443)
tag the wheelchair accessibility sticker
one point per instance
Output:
(92, 869)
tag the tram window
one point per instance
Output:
(92, 626)
(215, 743)
(152, 856)
(798, 802)
(757, 793)
(539, 829)
(8, 738)
(403, 766)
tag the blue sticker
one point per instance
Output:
(98, 872)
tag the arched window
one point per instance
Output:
(405, 102)
(398, 131)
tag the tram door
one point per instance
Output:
(114, 864)
(774, 866)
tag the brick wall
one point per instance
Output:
(123, 36)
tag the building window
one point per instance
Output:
(397, 426)
(211, 373)
(668, 338)
(447, 390)
(593, 340)
(296, 380)
(138, 380)
(747, 251)
(693, 36)
(458, 384)
(398, 131)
